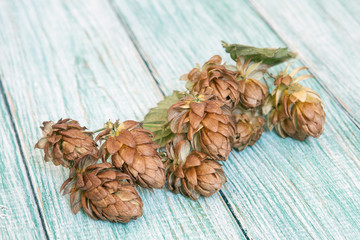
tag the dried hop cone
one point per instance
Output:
(295, 111)
(104, 192)
(249, 125)
(66, 142)
(253, 92)
(132, 150)
(214, 78)
(190, 172)
(206, 122)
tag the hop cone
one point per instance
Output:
(104, 192)
(66, 142)
(248, 128)
(132, 150)
(213, 78)
(208, 127)
(190, 172)
(295, 111)
(252, 91)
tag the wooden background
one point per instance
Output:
(94, 60)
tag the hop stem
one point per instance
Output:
(150, 125)
(99, 130)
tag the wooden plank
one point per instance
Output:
(19, 213)
(280, 188)
(326, 33)
(73, 59)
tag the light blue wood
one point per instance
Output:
(73, 59)
(95, 60)
(19, 213)
(278, 188)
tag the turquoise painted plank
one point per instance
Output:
(74, 59)
(19, 216)
(280, 188)
(326, 34)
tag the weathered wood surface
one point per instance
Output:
(94, 60)
(19, 208)
(278, 188)
(73, 58)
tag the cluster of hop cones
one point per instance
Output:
(182, 141)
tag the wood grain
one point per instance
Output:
(74, 59)
(325, 33)
(280, 188)
(19, 212)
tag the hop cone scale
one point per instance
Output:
(249, 126)
(104, 192)
(249, 75)
(214, 78)
(191, 173)
(294, 110)
(132, 150)
(206, 122)
(66, 142)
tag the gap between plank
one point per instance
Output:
(154, 75)
(303, 61)
(22, 156)
(136, 44)
(231, 210)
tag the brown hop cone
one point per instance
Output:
(132, 150)
(295, 111)
(190, 172)
(249, 126)
(214, 78)
(206, 122)
(104, 192)
(66, 142)
(249, 74)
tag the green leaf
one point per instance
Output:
(269, 56)
(156, 119)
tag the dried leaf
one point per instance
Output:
(268, 56)
(112, 145)
(156, 119)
